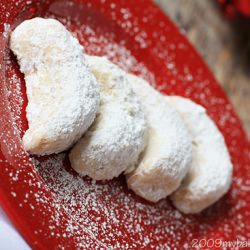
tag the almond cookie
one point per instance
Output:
(118, 136)
(63, 95)
(210, 174)
(168, 154)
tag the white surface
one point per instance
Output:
(210, 174)
(118, 134)
(10, 239)
(168, 154)
(61, 87)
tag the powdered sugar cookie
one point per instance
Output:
(63, 95)
(168, 155)
(118, 135)
(210, 174)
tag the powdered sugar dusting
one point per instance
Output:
(100, 40)
(119, 219)
(210, 174)
(118, 135)
(57, 80)
(168, 154)
(99, 203)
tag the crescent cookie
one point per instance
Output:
(210, 174)
(63, 95)
(168, 155)
(118, 136)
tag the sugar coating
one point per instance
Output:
(171, 229)
(168, 155)
(210, 174)
(63, 95)
(118, 136)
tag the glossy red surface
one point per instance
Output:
(235, 8)
(141, 39)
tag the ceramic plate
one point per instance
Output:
(50, 205)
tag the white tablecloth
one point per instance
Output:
(10, 239)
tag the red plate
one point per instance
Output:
(51, 206)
